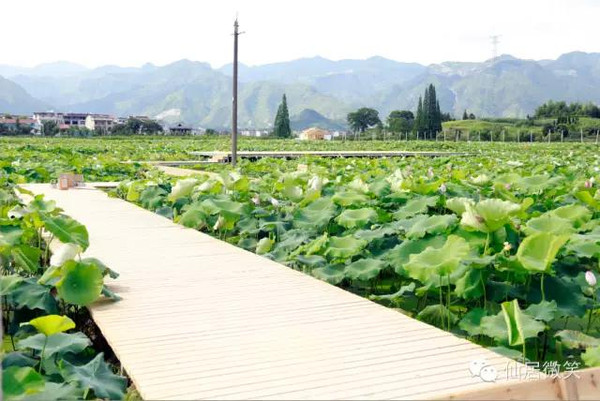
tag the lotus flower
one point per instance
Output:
(430, 172)
(590, 278)
(508, 187)
(64, 253)
(507, 246)
(274, 202)
(443, 188)
(220, 222)
(588, 184)
(256, 200)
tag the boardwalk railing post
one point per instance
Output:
(597, 131)
(581, 134)
(562, 136)
(530, 136)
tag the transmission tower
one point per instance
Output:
(495, 39)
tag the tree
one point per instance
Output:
(282, 121)
(401, 121)
(471, 116)
(465, 115)
(363, 118)
(429, 116)
(49, 128)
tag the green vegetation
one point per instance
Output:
(501, 247)
(45, 354)
(429, 117)
(363, 118)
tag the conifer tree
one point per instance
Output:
(282, 121)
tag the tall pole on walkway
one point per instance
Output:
(235, 95)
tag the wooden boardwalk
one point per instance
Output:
(253, 155)
(202, 319)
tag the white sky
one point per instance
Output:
(133, 32)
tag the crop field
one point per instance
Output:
(501, 246)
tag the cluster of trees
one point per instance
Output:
(135, 126)
(19, 129)
(429, 117)
(469, 116)
(428, 120)
(564, 111)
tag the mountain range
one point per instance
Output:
(320, 92)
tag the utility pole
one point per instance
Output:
(234, 115)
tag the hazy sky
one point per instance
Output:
(133, 32)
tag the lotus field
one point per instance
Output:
(500, 246)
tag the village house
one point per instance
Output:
(100, 123)
(314, 134)
(180, 129)
(19, 124)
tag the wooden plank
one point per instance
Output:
(203, 319)
(219, 156)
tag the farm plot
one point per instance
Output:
(501, 247)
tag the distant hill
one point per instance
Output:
(15, 100)
(197, 94)
(308, 118)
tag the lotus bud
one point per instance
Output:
(256, 200)
(430, 172)
(64, 253)
(274, 202)
(588, 184)
(220, 222)
(590, 278)
(507, 246)
(443, 188)
(508, 187)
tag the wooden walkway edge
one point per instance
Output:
(203, 319)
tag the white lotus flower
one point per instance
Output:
(205, 186)
(443, 188)
(64, 253)
(274, 202)
(590, 278)
(256, 200)
(430, 172)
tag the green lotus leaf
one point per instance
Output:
(28, 293)
(350, 198)
(536, 184)
(57, 391)
(316, 215)
(352, 218)
(497, 327)
(591, 356)
(27, 257)
(376, 233)
(583, 247)
(81, 284)
(331, 274)
(380, 187)
(312, 261)
(588, 199)
(577, 214)
(344, 247)
(60, 343)
(437, 261)
(400, 254)
(292, 192)
(436, 315)
(459, 205)
(364, 269)
(431, 225)
(537, 252)
(192, 217)
(312, 247)
(416, 206)
(575, 339)
(264, 246)
(52, 324)
(507, 352)
(545, 310)
(96, 375)
(396, 296)
(18, 359)
(513, 317)
(10, 235)
(152, 197)
(470, 286)
(222, 206)
(471, 322)
(9, 283)
(21, 381)
(549, 223)
(489, 215)
(67, 230)
(182, 189)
